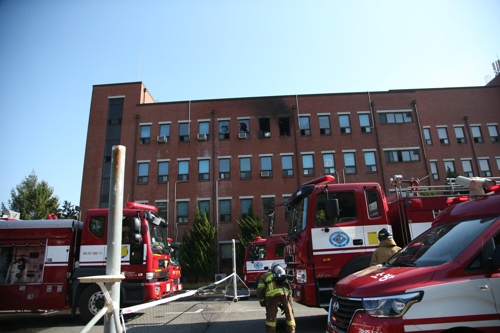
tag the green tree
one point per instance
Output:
(33, 199)
(198, 251)
(69, 211)
(251, 226)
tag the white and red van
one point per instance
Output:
(445, 280)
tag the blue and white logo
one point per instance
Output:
(258, 265)
(339, 239)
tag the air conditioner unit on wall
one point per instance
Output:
(202, 137)
(242, 135)
(162, 138)
(264, 174)
(219, 276)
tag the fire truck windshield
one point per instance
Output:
(441, 244)
(158, 238)
(298, 217)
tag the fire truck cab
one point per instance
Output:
(260, 255)
(445, 280)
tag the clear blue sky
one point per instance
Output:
(53, 51)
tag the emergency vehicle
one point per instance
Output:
(260, 254)
(333, 230)
(41, 261)
(446, 280)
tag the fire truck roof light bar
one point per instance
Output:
(320, 180)
(136, 205)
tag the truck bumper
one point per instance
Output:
(361, 322)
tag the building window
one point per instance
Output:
(493, 130)
(245, 168)
(224, 168)
(476, 134)
(402, 155)
(203, 169)
(308, 165)
(324, 125)
(183, 172)
(203, 131)
(449, 166)
(427, 136)
(349, 163)
(370, 162)
(225, 210)
(204, 206)
(345, 124)
(163, 172)
(485, 168)
(284, 126)
(145, 134)
(165, 132)
(364, 123)
(443, 136)
(223, 129)
(286, 166)
(226, 255)
(267, 207)
(245, 207)
(266, 166)
(498, 162)
(243, 128)
(305, 126)
(264, 128)
(329, 163)
(143, 173)
(183, 132)
(395, 117)
(459, 133)
(434, 170)
(182, 212)
(162, 209)
(467, 166)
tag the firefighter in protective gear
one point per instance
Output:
(387, 247)
(273, 291)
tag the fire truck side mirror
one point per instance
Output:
(136, 224)
(332, 210)
(137, 239)
(495, 258)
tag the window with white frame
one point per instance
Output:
(402, 155)
(204, 169)
(223, 129)
(370, 161)
(145, 134)
(143, 172)
(397, 117)
(225, 210)
(183, 132)
(266, 166)
(245, 204)
(476, 133)
(165, 132)
(324, 125)
(443, 136)
(434, 170)
(204, 206)
(182, 211)
(163, 171)
(162, 209)
(467, 167)
(224, 168)
(493, 130)
(345, 124)
(308, 164)
(427, 136)
(267, 207)
(203, 130)
(286, 166)
(364, 122)
(245, 168)
(305, 126)
(485, 167)
(349, 163)
(449, 166)
(497, 158)
(328, 163)
(243, 128)
(460, 134)
(183, 171)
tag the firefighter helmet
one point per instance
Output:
(384, 234)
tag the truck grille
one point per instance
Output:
(342, 309)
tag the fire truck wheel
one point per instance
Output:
(91, 302)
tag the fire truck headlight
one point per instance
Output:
(301, 276)
(391, 306)
(149, 276)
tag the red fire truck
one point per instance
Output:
(41, 261)
(446, 280)
(260, 255)
(334, 227)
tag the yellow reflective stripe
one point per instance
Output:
(290, 323)
(271, 323)
(261, 285)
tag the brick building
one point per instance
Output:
(228, 154)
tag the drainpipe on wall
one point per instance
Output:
(414, 102)
(135, 154)
(372, 104)
(294, 107)
(214, 181)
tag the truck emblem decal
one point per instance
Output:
(258, 265)
(339, 239)
(336, 307)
